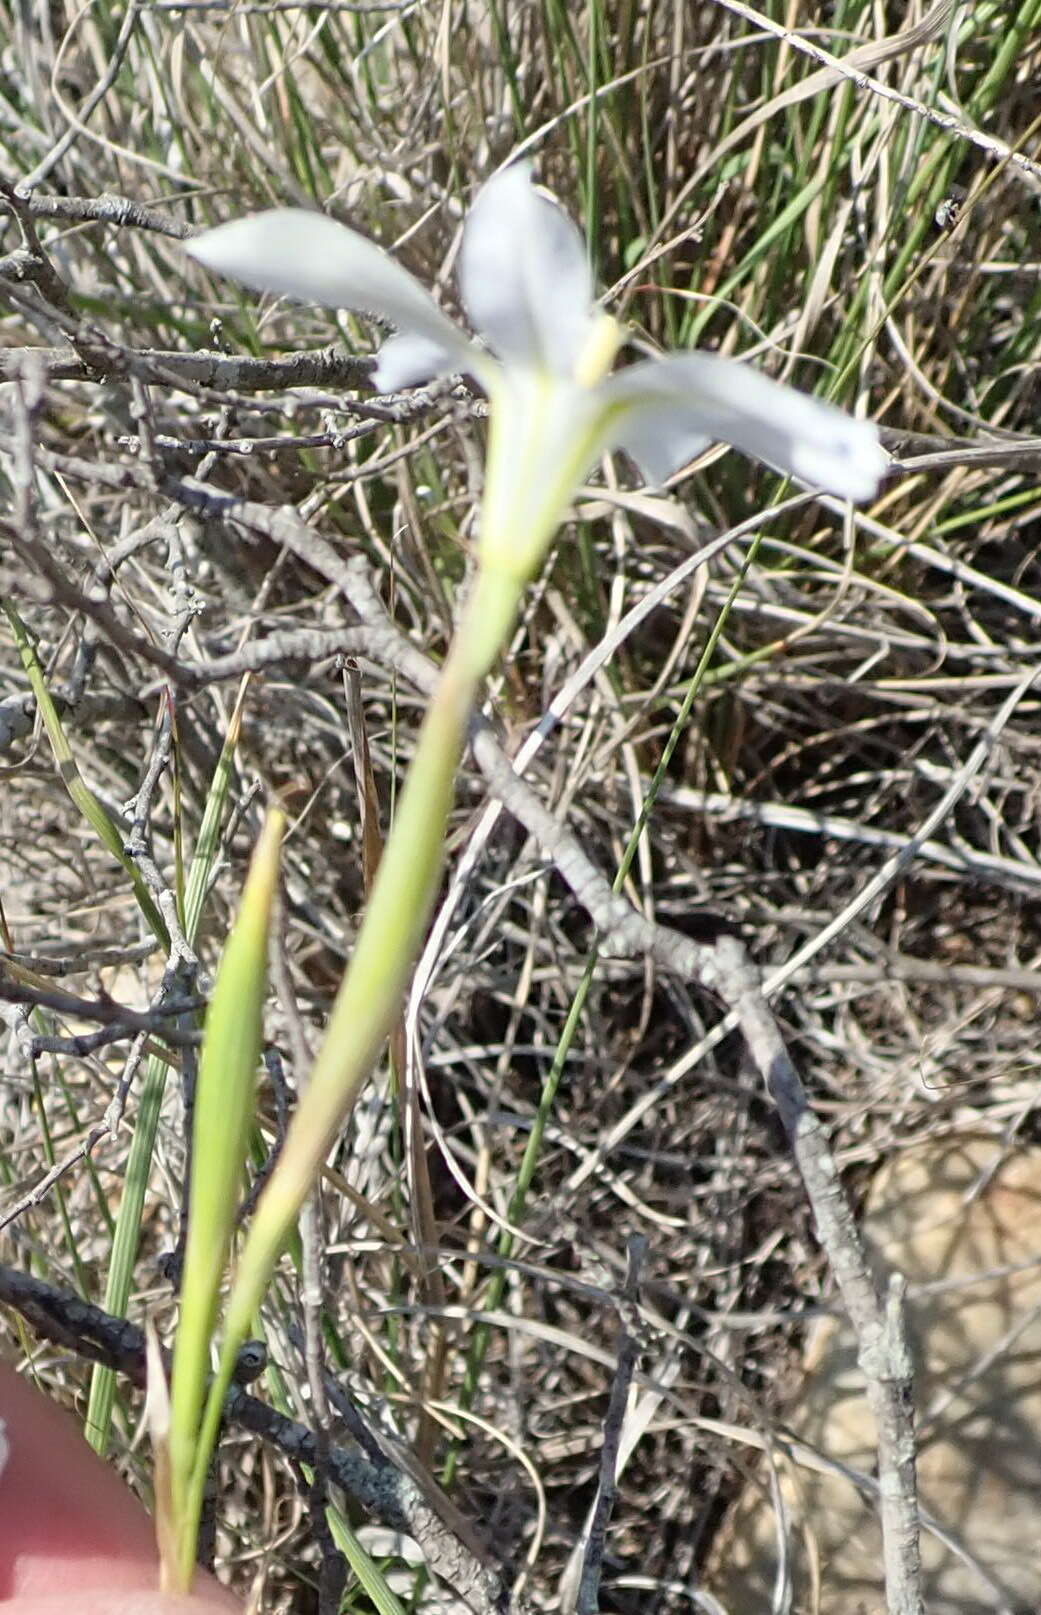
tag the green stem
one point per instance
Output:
(370, 996)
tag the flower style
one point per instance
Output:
(526, 286)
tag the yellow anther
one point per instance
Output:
(598, 351)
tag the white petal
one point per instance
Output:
(679, 402)
(308, 256)
(660, 441)
(407, 361)
(524, 274)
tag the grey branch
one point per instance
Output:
(105, 209)
(724, 967)
(90, 361)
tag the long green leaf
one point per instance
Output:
(224, 1107)
(139, 1162)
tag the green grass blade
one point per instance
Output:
(208, 841)
(370, 1577)
(98, 1422)
(79, 791)
(223, 1113)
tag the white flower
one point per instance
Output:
(526, 285)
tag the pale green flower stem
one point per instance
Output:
(371, 993)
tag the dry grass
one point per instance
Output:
(860, 660)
